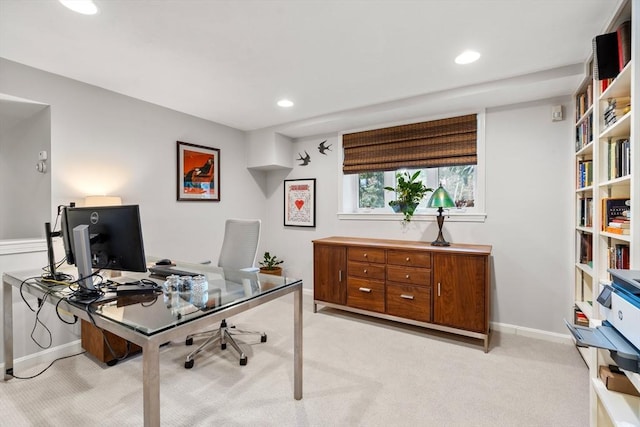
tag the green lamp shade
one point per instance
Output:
(440, 199)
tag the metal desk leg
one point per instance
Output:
(7, 310)
(297, 343)
(151, 384)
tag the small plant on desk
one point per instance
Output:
(269, 265)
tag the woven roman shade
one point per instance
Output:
(444, 142)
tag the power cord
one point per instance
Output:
(45, 369)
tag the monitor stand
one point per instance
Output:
(82, 251)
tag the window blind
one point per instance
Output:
(444, 142)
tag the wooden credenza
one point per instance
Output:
(444, 288)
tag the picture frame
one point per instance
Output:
(198, 172)
(300, 202)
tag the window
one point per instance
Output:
(459, 181)
(363, 194)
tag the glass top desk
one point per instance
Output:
(150, 321)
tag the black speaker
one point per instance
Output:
(606, 64)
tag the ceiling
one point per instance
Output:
(230, 61)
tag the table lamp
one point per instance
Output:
(440, 199)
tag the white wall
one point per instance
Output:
(106, 143)
(528, 206)
(109, 143)
(25, 193)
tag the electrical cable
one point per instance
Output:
(50, 364)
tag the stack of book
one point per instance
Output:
(579, 318)
(615, 109)
(616, 215)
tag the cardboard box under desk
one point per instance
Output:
(617, 381)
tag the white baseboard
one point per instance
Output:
(532, 333)
(46, 356)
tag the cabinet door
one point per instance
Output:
(330, 273)
(460, 291)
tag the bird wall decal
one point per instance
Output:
(323, 147)
(305, 160)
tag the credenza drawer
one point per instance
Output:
(365, 294)
(412, 276)
(409, 258)
(369, 271)
(412, 302)
(366, 254)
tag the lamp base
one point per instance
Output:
(440, 240)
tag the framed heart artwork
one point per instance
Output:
(300, 202)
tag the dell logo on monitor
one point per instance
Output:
(94, 217)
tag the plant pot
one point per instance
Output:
(275, 271)
(404, 207)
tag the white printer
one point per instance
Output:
(620, 332)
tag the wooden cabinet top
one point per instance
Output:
(405, 244)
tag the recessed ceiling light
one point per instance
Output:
(85, 7)
(285, 103)
(467, 57)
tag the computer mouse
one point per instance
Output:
(165, 261)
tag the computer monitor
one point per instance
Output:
(103, 237)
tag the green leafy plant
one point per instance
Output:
(270, 262)
(409, 193)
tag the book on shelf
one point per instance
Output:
(585, 173)
(617, 230)
(612, 208)
(611, 52)
(584, 132)
(619, 256)
(619, 158)
(579, 318)
(586, 249)
(586, 212)
(623, 33)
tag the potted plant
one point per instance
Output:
(269, 265)
(409, 192)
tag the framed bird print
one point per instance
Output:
(300, 202)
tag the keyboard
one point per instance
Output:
(164, 271)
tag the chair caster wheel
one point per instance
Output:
(189, 341)
(263, 338)
(243, 361)
(223, 346)
(188, 364)
(112, 362)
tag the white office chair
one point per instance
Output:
(238, 251)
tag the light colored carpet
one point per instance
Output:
(357, 372)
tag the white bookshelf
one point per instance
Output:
(608, 408)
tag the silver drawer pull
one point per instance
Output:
(365, 271)
(367, 290)
(406, 277)
(406, 296)
(365, 255)
(408, 259)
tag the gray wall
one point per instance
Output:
(528, 204)
(109, 143)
